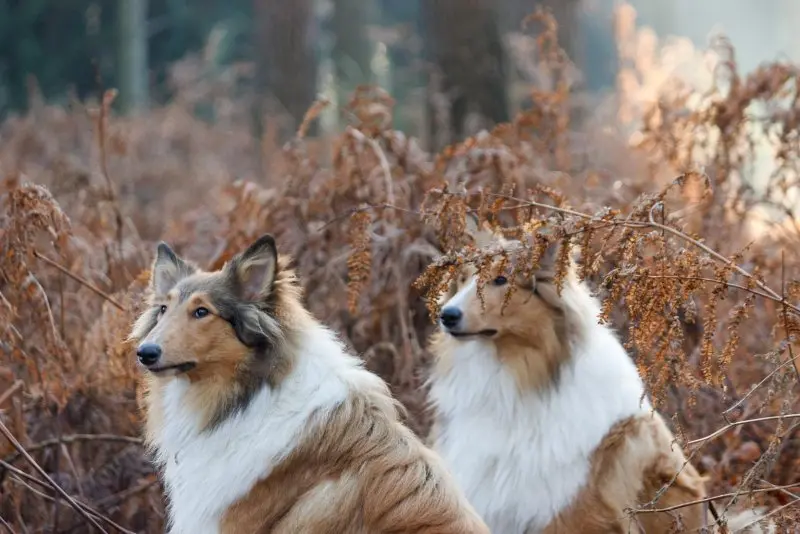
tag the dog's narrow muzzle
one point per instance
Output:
(450, 317)
(148, 354)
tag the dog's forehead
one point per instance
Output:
(466, 270)
(211, 284)
(505, 252)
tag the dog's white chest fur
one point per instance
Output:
(523, 459)
(206, 472)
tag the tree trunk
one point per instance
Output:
(285, 63)
(467, 83)
(352, 51)
(132, 55)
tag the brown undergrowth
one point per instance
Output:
(670, 232)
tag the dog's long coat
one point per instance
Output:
(262, 422)
(541, 415)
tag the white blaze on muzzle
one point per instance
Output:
(155, 335)
(460, 298)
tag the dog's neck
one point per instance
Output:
(487, 429)
(207, 470)
(534, 368)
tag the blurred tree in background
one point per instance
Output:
(55, 43)
(467, 71)
(285, 59)
(446, 61)
(352, 49)
(132, 54)
(72, 45)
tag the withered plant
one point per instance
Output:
(697, 271)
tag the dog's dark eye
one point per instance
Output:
(201, 312)
(163, 309)
(500, 281)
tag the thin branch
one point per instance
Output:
(729, 426)
(664, 488)
(17, 445)
(757, 386)
(73, 439)
(712, 498)
(784, 491)
(715, 281)
(533, 204)
(65, 452)
(102, 123)
(22, 476)
(786, 317)
(766, 292)
(371, 207)
(31, 279)
(80, 280)
(714, 254)
(723, 528)
(6, 525)
(651, 223)
(107, 98)
(7, 394)
(767, 515)
(17, 479)
(118, 498)
(385, 167)
(56, 468)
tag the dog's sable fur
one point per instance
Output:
(542, 417)
(262, 422)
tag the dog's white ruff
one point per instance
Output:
(521, 459)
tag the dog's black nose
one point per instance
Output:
(148, 353)
(450, 317)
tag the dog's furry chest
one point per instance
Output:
(522, 459)
(205, 472)
(516, 476)
(198, 499)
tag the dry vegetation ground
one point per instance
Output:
(704, 292)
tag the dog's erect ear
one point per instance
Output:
(482, 235)
(254, 269)
(168, 269)
(547, 263)
(542, 277)
(472, 224)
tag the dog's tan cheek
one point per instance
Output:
(221, 340)
(474, 318)
(505, 317)
(170, 338)
(203, 338)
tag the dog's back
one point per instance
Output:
(629, 468)
(358, 471)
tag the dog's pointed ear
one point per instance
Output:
(472, 226)
(481, 234)
(254, 270)
(547, 262)
(168, 269)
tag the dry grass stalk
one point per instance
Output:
(704, 293)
